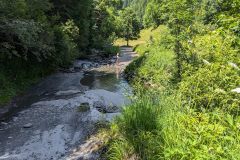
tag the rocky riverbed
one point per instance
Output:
(58, 115)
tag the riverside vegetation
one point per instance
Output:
(186, 82)
(39, 36)
(186, 79)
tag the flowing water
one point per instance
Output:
(57, 115)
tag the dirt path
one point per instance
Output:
(63, 110)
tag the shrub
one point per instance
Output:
(24, 39)
(161, 128)
(216, 46)
(198, 135)
(211, 87)
(212, 72)
(156, 65)
(111, 50)
(154, 68)
(66, 50)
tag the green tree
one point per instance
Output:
(80, 12)
(130, 25)
(138, 7)
(103, 24)
(180, 15)
(152, 16)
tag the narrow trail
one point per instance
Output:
(63, 110)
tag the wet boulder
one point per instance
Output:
(84, 107)
(82, 64)
(28, 125)
(86, 65)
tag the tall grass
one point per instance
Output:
(163, 124)
(163, 129)
(156, 65)
(136, 128)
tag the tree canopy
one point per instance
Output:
(48, 34)
(130, 25)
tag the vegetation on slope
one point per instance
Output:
(186, 79)
(186, 82)
(171, 120)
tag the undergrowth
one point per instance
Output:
(13, 83)
(197, 118)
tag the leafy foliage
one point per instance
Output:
(157, 58)
(130, 26)
(105, 26)
(49, 34)
(194, 69)
(138, 7)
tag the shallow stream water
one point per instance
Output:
(48, 122)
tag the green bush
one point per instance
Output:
(65, 49)
(211, 87)
(156, 65)
(198, 135)
(167, 130)
(141, 49)
(24, 39)
(197, 118)
(216, 46)
(154, 68)
(111, 50)
(211, 72)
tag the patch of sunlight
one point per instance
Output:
(145, 36)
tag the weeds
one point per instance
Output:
(195, 119)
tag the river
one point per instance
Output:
(57, 115)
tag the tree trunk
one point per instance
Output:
(128, 36)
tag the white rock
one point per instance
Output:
(28, 125)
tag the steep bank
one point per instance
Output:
(195, 118)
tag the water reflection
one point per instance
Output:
(110, 81)
(118, 71)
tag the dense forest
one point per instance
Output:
(186, 79)
(38, 37)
